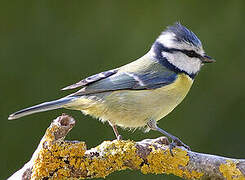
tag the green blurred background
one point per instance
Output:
(46, 45)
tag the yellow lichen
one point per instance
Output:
(53, 160)
(62, 160)
(116, 153)
(230, 171)
(159, 162)
(49, 135)
(192, 175)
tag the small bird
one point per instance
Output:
(142, 92)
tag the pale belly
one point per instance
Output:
(134, 108)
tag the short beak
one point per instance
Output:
(207, 59)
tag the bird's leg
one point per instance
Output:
(114, 127)
(175, 141)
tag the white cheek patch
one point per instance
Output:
(183, 62)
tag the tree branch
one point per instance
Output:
(59, 159)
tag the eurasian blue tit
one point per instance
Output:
(142, 92)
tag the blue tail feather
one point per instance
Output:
(56, 104)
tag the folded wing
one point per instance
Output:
(129, 81)
(91, 79)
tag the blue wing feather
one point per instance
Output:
(142, 74)
(91, 79)
(131, 81)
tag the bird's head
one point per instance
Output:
(182, 50)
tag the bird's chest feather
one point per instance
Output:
(133, 108)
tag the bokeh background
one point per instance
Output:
(46, 45)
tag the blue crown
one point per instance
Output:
(182, 34)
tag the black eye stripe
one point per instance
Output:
(190, 53)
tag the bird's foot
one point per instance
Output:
(119, 137)
(177, 142)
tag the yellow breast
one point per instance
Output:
(173, 94)
(134, 108)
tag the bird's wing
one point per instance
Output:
(91, 79)
(129, 81)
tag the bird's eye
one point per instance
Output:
(191, 53)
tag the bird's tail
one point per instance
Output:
(56, 104)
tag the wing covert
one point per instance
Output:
(130, 81)
(91, 79)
